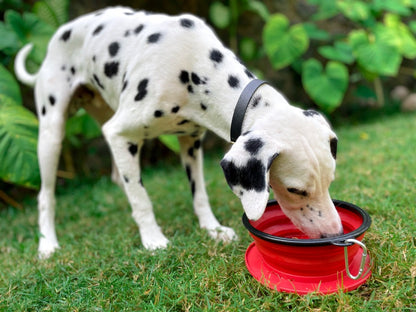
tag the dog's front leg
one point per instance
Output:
(192, 160)
(126, 150)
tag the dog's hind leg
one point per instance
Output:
(125, 146)
(192, 160)
(51, 106)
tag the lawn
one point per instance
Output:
(102, 266)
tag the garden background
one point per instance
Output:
(353, 60)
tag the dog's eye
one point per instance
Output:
(297, 192)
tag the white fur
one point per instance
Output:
(79, 54)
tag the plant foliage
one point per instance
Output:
(374, 47)
(18, 135)
(19, 126)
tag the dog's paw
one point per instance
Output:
(46, 248)
(155, 241)
(223, 233)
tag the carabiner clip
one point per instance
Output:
(364, 257)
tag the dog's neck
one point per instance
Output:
(266, 101)
(241, 107)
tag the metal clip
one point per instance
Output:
(364, 257)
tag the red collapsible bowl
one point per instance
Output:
(283, 258)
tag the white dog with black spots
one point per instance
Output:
(142, 75)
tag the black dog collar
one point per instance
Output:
(241, 107)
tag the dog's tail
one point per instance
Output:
(20, 69)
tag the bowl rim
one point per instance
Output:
(337, 240)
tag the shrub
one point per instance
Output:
(374, 47)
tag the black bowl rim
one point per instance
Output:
(337, 240)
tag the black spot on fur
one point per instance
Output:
(233, 81)
(158, 113)
(256, 101)
(113, 48)
(111, 69)
(190, 89)
(216, 56)
(153, 38)
(142, 88)
(253, 146)
(334, 146)
(197, 144)
(43, 110)
(52, 100)
(175, 109)
(94, 58)
(193, 188)
(310, 113)
(187, 23)
(203, 106)
(126, 179)
(195, 79)
(184, 77)
(248, 73)
(250, 177)
(98, 81)
(66, 35)
(98, 30)
(72, 69)
(133, 148)
(125, 83)
(138, 29)
(191, 152)
(188, 172)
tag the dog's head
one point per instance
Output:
(295, 155)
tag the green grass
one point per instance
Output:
(101, 265)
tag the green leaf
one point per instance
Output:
(170, 141)
(326, 87)
(397, 34)
(326, 9)
(81, 124)
(260, 8)
(52, 12)
(375, 55)
(355, 10)
(9, 41)
(394, 6)
(340, 51)
(316, 33)
(18, 142)
(9, 86)
(220, 14)
(29, 28)
(248, 49)
(284, 43)
(412, 26)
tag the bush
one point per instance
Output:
(373, 47)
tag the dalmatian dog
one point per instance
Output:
(142, 75)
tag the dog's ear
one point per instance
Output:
(246, 168)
